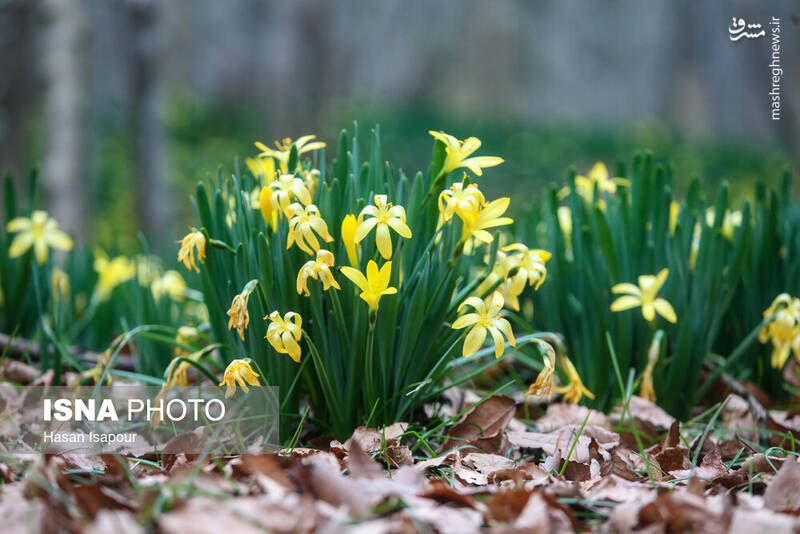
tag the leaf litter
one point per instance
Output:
(570, 470)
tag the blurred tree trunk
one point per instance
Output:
(148, 136)
(65, 64)
(16, 84)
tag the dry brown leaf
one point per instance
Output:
(561, 414)
(763, 522)
(562, 441)
(475, 468)
(116, 521)
(483, 425)
(783, 492)
(671, 454)
(245, 515)
(360, 464)
(783, 422)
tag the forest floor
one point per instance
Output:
(498, 468)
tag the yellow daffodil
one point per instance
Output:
(261, 168)
(382, 216)
(500, 279)
(485, 318)
(575, 389)
(283, 333)
(303, 222)
(646, 390)
(489, 216)
(374, 285)
(40, 232)
(238, 316)
(544, 380)
(177, 369)
(111, 272)
(59, 283)
(457, 154)
(349, 227)
(318, 269)
(466, 202)
(584, 185)
(730, 222)
(531, 265)
(645, 295)
(286, 187)
(171, 283)
(783, 330)
(193, 240)
(239, 372)
(283, 148)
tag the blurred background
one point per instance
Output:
(123, 105)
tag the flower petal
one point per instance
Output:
(474, 341)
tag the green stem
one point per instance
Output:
(737, 353)
(368, 356)
(337, 311)
(322, 374)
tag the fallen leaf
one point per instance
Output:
(783, 492)
(482, 426)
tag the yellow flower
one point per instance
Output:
(488, 217)
(382, 216)
(40, 232)
(238, 315)
(318, 269)
(530, 264)
(466, 202)
(565, 220)
(261, 168)
(176, 376)
(284, 188)
(646, 390)
(499, 279)
(575, 389)
(171, 283)
(731, 221)
(457, 153)
(486, 317)
(265, 204)
(185, 336)
(193, 240)
(544, 380)
(349, 226)
(783, 330)
(645, 295)
(303, 222)
(310, 179)
(59, 282)
(283, 333)
(111, 273)
(374, 285)
(283, 149)
(239, 371)
(584, 185)
(674, 211)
